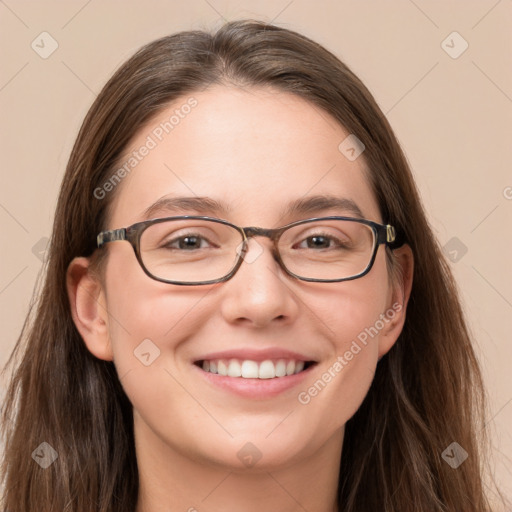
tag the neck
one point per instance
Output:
(169, 480)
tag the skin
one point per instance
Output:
(255, 149)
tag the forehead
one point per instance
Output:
(254, 150)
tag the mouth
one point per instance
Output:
(255, 373)
(250, 369)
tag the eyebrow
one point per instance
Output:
(207, 205)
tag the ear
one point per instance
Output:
(89, 308)
(399, 294)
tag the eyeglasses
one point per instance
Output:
(197, 250)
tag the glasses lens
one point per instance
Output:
(189, 250)
(327, 249)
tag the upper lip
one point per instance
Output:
(256, 355)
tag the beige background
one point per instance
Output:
(451, 115)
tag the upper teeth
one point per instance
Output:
(248, 369)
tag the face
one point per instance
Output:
(255, 151)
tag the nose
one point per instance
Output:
(260, 292)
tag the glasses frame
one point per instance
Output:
(383, 234)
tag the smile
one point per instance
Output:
(249, 369)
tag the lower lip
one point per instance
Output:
(255, 388)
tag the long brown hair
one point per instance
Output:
(427, 392)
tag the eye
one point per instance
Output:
(187, 242)
(323, 241)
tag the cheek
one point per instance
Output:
(149, 321)
(144, 315)
(332, 395)
(354, 316)
(351, 309)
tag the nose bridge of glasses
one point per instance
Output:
(272, 234)
(252, 231)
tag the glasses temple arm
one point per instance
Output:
(111, 236)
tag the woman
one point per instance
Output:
(317, 359)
